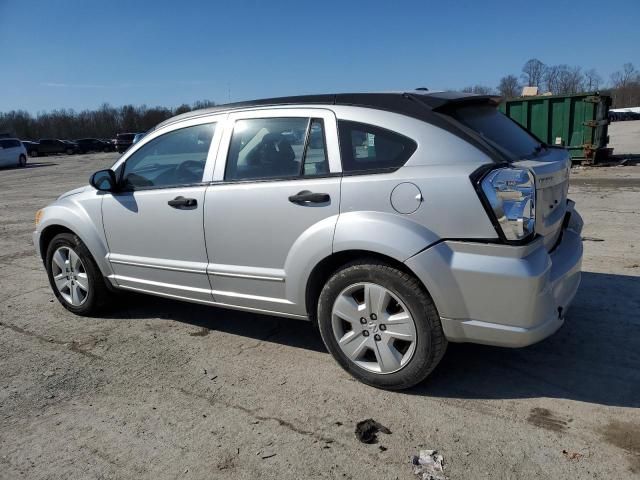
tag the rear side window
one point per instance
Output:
(366, 148)
(498, 130)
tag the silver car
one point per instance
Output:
(398, 222)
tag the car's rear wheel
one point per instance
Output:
(22, 161)
(70, 151)
(380, 325)
(33, 153)
(74, 276)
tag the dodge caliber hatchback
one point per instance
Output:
(397, 222)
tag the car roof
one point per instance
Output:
(415, 103)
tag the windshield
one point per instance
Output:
(499, 130)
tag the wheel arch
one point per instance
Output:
(88, 234)
(323, 270)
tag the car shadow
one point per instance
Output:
(30, 165)
(40, 164)
(285, 331)
(594, 357)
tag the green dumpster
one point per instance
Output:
(577, 122)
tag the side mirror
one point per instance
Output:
(103, 180)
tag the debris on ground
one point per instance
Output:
(572, 455)
(366, 430)
(592, 239)
(428, 466)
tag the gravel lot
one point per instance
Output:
(160, 389)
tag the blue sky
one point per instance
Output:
(79, 54)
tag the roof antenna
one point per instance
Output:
(424, 89)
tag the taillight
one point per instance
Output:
(511, 194)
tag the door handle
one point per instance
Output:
(181, 202)
(305, 196)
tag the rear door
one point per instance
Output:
(276, 196)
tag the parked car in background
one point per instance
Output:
(72, 145)
(12, 153)
(124, 141)
(86, 145)
(30, 146)
(50, 146)
(405, 221)
(110, 143)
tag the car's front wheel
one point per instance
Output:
(74, 276)
(380, 325)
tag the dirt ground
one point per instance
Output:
(159, 389)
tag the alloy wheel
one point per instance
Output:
(70, 276)
(373, 328)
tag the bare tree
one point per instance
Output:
(626, 87)
(570, 80)
(592, 80)
(533, 72)
(551, 75)
(509, 86)
(478, 89)
(621, 79)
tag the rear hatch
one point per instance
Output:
(549, 165)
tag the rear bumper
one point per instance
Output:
(510, 296)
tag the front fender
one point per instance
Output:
(84, 219)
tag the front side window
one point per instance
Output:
(269, 148)
(367, 148)
(175, 158)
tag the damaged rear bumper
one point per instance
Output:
(510, 296)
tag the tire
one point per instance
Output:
(33, 153)
(70, 151)
(22, 161)
(405, 302)
(88, 274)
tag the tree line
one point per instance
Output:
(623, 86)
(104, 122)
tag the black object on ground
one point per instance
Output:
(366, 430)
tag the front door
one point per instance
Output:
(272, 207)
(154, 225)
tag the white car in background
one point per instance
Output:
(12, 153)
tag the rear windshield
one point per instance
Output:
(499, 130)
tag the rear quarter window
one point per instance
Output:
(366, 148)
